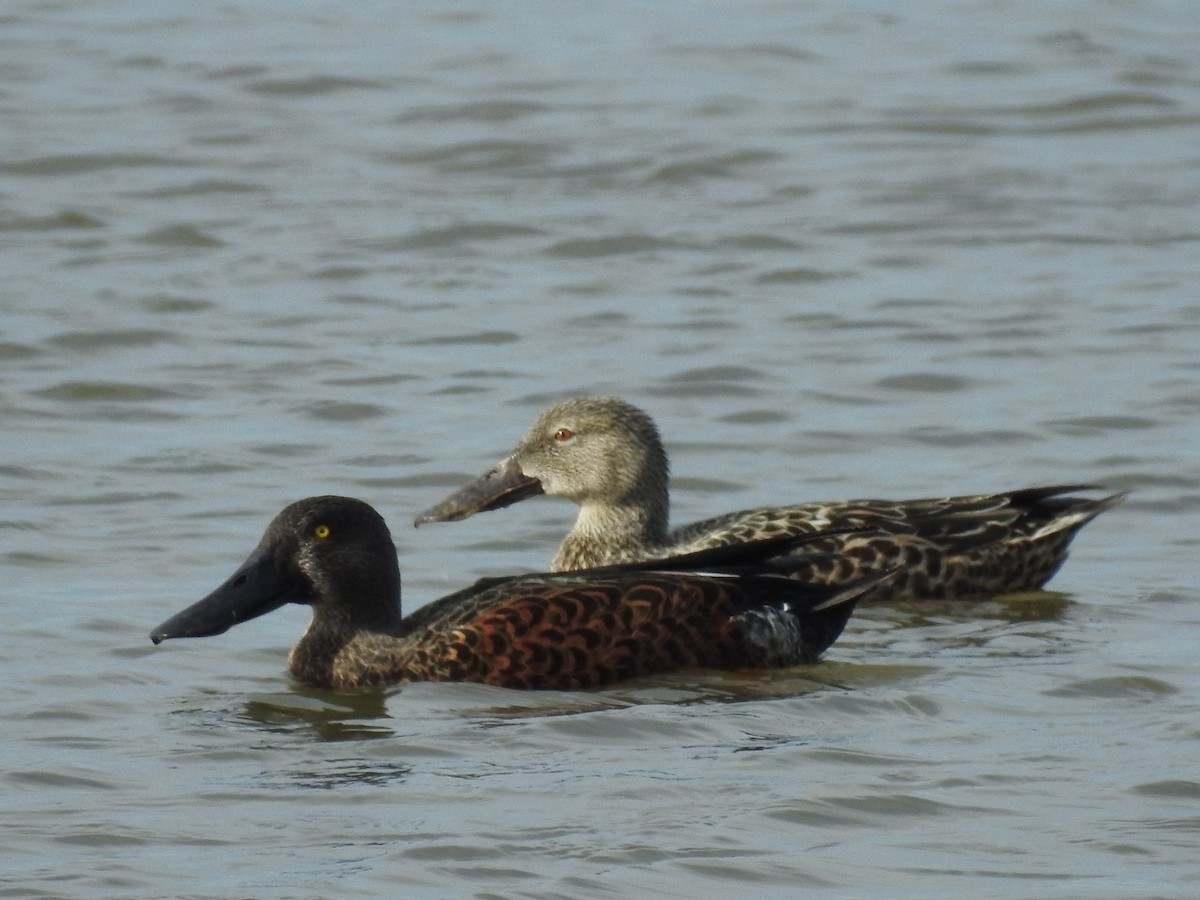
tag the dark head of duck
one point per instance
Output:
(333, 553)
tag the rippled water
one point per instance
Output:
(882, 249)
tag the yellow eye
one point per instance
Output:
(564, 434)
(322, 531)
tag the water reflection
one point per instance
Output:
(355, 716)
(327, 774)
(1028, 606)
(329, 716)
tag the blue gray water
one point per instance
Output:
(258, 251)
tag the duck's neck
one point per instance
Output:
(613, 533)
(324, 657)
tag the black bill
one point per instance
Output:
(502, 485)
(258, 587)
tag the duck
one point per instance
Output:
(606, 455)
(737, 608)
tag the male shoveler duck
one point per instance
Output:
(606, 456)
(551, 631)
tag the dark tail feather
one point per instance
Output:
(851, 593)
(798, 621)
(1072, 513)
(828, 619)
(1035, 495)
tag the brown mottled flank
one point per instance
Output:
(606, 456)
(563, 631)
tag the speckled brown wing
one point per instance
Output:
(969, 519)
(567, 633)
(957, 547)
(933, 570)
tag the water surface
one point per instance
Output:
(888, 249)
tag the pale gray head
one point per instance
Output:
(596, 450)
(600, 452)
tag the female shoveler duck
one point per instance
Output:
(606, 456)
(527, 631)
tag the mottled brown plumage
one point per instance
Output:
(564, 631)
(606, 456)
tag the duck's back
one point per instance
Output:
(577, 631)
(945, 548)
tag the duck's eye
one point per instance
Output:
(564, 434)
(322, 531)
